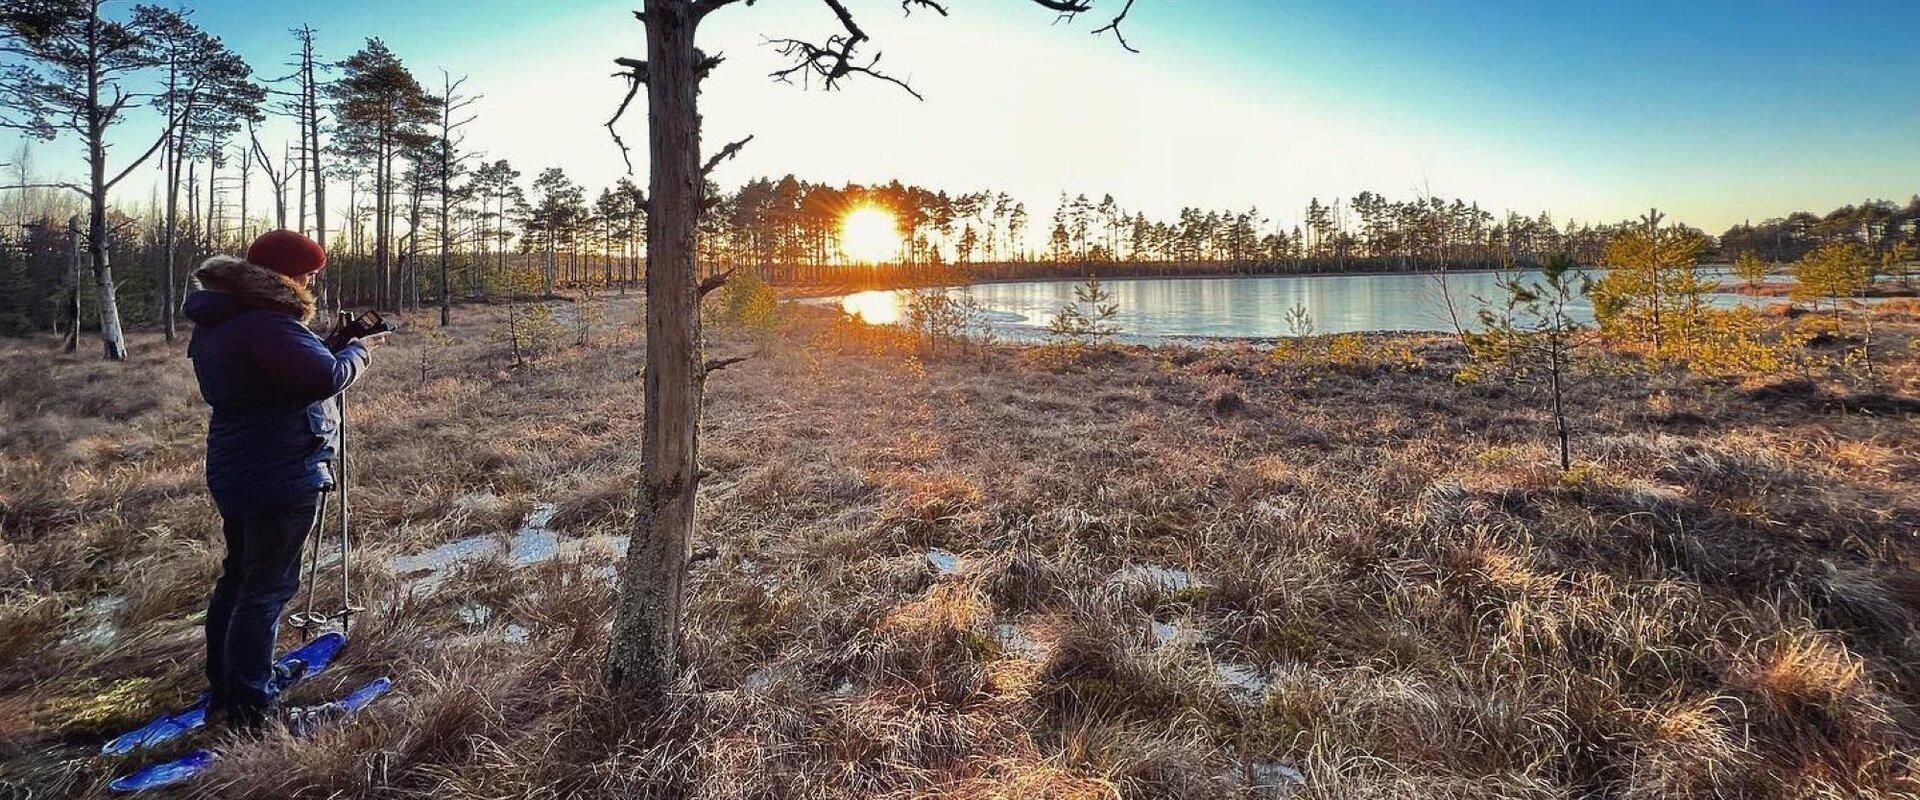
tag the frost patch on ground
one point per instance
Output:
(478, 615)
(1018, 643)
(533, 543)
(434, 563)
(1245, 682)
(1155, 576)
(1272, 779)
(759, 680)
(95, 623)
(1174, 633)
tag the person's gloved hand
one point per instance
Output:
(374, 341)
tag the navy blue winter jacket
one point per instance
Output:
(270, 382)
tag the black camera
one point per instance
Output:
(349, 327)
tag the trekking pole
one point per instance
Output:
(347, 608)
(307, 620)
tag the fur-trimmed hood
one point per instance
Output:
(255, 286)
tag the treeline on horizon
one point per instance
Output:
(376, 166)
(787, 229)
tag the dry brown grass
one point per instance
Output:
(1721, 601)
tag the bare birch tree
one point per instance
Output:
(447, 149)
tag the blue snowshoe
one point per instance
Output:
(306, 723)
(296, 666)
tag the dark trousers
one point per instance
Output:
(261, 572)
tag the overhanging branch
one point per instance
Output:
(135, 164)
(1114, 26)
(1072, 8)
(835, 59)
(74, 186)
(717, 364)
(725, 153)
(712, 282)
(636, 74)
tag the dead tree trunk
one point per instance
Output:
(73, 284)
(644, 654)
(113, 346)
(310, 158)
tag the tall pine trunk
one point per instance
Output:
(112, 345)
(446, 200)
(170, 161)
(319, 182)
(644, 654)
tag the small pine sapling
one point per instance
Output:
(433, 342)
(1531, 334)
(1089, 318)
(1751, 270)
(588, 311)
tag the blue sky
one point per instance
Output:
(1715, 111)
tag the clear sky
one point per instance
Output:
(1715, 111)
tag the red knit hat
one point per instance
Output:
(287, 253)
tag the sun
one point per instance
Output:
(870, 235)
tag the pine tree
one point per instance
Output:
(381, 112)
(1750, 269)
(1090, 317)
(1832, 273)
(1652, 291)
(208, 91)
(644, 650)
(1531, 335)
(73, 69)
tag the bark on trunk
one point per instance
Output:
(176, 147)
(319, 182)
(73, 285)
(111, 343)
(643, 656)
(446, 200)
(170, 160)
(382, 225)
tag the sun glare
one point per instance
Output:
(870, 235)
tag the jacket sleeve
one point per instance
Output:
(299, 364)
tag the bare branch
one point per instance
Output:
(135, 164)
(74, 186)
(266, 164)
(1114, 25)
(1071, 8)
(725, 153)
(636, 74)
(714, 365)
(834, 59)
(713, 282)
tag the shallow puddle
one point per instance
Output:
(943, 562)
